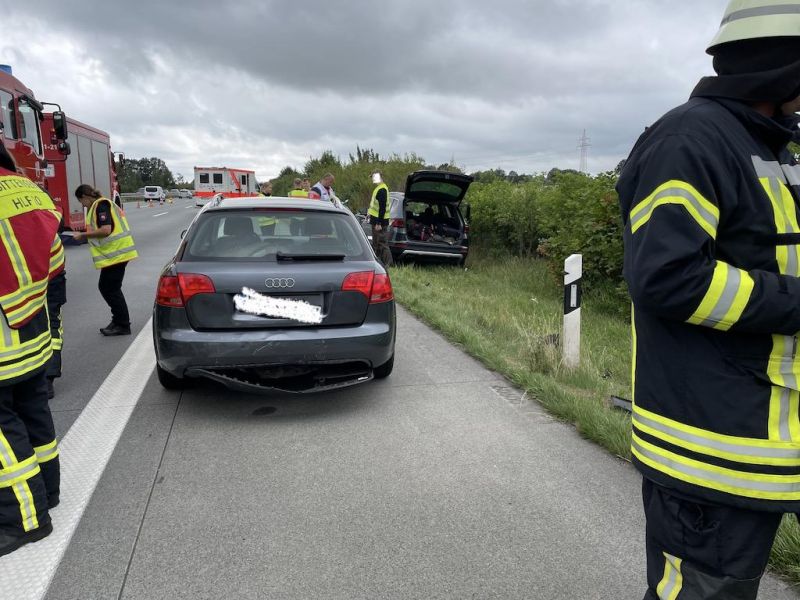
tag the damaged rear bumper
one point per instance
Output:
(317, 378)
(299, 360)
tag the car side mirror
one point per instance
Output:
(60, 125)
(64, 148)
(183, 233)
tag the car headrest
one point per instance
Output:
(238, 226)
(318, 227)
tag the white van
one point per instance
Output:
(153, 192)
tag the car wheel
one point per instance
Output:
(384, 370)
(462, 261)
(169, 381)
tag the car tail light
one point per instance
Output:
(400, 223)
(466, 229)
(359, 282)
(192, 284)
(169, 293)
(381, 290)
(376, 287)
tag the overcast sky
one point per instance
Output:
(265, 84)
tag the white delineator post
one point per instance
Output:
(573, 271)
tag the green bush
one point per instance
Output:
(552, 217)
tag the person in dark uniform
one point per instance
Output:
(112, 247)
(56, 298)
(29, 465)
(709, 198)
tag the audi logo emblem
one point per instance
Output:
(283, 282)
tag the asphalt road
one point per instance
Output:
(441, 482)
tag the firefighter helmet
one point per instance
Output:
(750, 19)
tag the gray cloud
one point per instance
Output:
(506, 83)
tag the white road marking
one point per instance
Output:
(159, 215)
(84, 452)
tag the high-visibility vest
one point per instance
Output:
(118, 247)
(28, 219)
(374, 206)
(298, 194)
(27, 216)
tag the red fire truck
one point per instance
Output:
(21, 119)
(90, 161)
(232, 183)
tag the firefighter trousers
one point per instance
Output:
(29, 469)
(698, 551)
(56, 298)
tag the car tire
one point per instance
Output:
(384, 370)
(169, 381)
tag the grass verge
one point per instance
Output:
(508, 314)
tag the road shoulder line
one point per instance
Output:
(85, 450)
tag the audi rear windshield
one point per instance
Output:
(274, 235)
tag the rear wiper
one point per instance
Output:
(282, 256)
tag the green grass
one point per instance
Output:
(508, 312)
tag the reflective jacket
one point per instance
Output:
(118, 246)
(374, 205)
(298, 194)
(30, 253)
(709, 201)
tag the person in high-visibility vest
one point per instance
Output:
(379, 219)
(709, 198)
(112, 248)
(297, 191)
(29, 466)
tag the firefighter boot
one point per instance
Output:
(11, 540)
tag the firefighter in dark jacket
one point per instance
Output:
(379, 219)
(29, 468)
(56, 298)
(709, 199)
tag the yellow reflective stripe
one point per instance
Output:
(672, 582)
(680, 193)
(778, 400)
(727, 297)
(15, 254)
(23, 292)
(57, 259)
(738, 483)
(794, 416)
(785, 456)
(27, 508)
(19, 472)
(27, 310)
(748, 446)
(47, 452)
(105, 252)
(22, 348)
(22, 491)
(16, 369)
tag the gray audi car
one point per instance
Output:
(271, 294)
